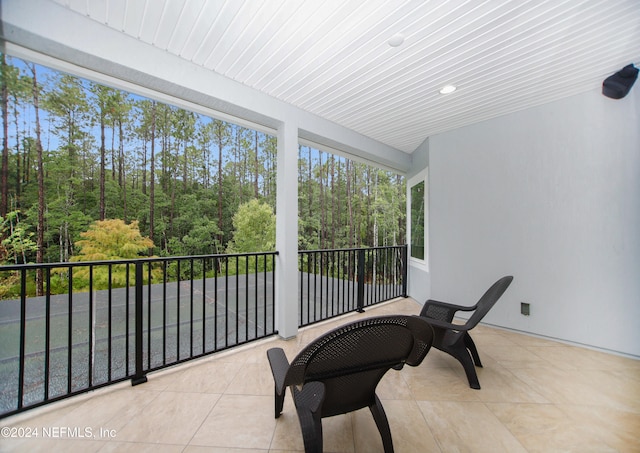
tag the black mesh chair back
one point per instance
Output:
(488, 300)
(348, 362)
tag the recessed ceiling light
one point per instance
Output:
(396, 40)
(447, 89)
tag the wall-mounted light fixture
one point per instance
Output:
(618, 85)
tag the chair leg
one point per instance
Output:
(471, 346)
(383, 424)
(309, 408)
(279, 401)
(459, 351)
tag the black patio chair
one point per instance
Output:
(338, 372)
(454, 339)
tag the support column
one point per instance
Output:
(287, 231)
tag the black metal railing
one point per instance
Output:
(104, 322)
(335, 282)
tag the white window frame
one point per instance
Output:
(422, 176)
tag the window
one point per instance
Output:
(417, 221)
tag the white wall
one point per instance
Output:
(550, 195)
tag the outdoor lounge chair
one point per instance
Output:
(338, 372)
(454, 339)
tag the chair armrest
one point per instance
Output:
(447, 325)
(310, 396)
(279, 367)
(442, 311)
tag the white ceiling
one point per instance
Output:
(331, 57)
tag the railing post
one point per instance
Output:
(405, 268)
(23, 340)
(361, 281)
(139, 377)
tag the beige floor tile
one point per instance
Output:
(524, 339)
(252, 379)
(619, 389)
(116, 409)
(50, 445)
(45, 416)
(490, 338)
(581, 387)
(508, 353)
(439, 384)
(543, 428)
(536, 394)
(199, 449)
(498, 384)
(394, 387)
(439, 359)
(616, 428)
(257, 352)
(287, 435)
(140, 447)
(171, 418)
(468, 427)
(573, 357)
(213, 376)
(337, 434)
(238, 421)
(409, 430)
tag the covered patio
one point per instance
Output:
(526, 169)
(538, 395)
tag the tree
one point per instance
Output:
(254, 231)
(202, 239)
(254, 228)
(182, 175)
(4, 171)
(40, 163)
(68, 102)
(104, 104)
(221, 136)
(17, 242)
(109, 239)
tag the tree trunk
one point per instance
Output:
(4, 172)
(184, 167)
(102, 163)
(19, 178)
(256, 166)
(333, 203)
(219, 137)
(310, 194)
(152, 172)
(40, 227)
(144, 164)
(123, 178)
(113, 152)
(349, 204)
(323, 213)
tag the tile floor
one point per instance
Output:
(537, 396)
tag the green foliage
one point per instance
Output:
(108, 240)
(111, 240)
(18, 243)
(255, 231)
(206, 174)
(255, 228)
